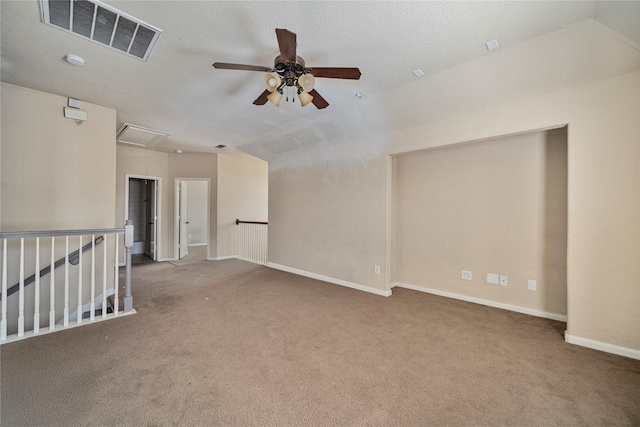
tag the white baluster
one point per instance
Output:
(245, 250)
(263, 246)
(3, 322)
(93, 278)
(251, 240)
(116, 302)
(21, 292)
(259, 244)
(79, 309)
(104, 277)
(36, 314)
(66, 281)
(52, 286)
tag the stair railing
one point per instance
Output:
(253, 241)
(24, 251)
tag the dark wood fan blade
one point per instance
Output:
(335, 72)
(227, 66)
(287, 43)
(262, 99)
(318, 101)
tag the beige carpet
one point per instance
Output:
(195, 254)
(231, 343)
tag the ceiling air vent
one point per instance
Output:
(102, 24)
(137, 135)
(220, 146)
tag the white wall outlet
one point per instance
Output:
(467, 275)
(532, 285)
(376, 269)
(494, 279)
(504, 280)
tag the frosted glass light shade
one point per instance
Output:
(274, 98)
(306, 82)
(272, 82)
(305, 98)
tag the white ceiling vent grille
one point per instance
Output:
(139, 136)
(102, 24)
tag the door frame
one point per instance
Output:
(176, 212)
(157, 223)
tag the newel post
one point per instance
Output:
(128, 245)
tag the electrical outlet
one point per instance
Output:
(504, 280)
(376, 269)
(494, 279)
(467, 275)
(532, 285)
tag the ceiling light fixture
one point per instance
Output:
(74, 60)
(291, 75)
(418, 72)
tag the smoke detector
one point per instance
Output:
(74, 60)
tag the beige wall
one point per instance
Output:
(497, 206)
(242, 194)
(55, 173)
(146, 163)
(331, 219)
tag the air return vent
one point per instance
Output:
(102, 24)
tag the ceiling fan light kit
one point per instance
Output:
(275, 97)
(290, 71)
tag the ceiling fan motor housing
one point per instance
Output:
(288, 70)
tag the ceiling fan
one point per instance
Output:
(290, 71)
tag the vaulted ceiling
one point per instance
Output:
(543, 46)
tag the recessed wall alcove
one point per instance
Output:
(495, 206)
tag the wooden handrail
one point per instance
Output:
(250, 222)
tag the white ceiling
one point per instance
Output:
(177, 91)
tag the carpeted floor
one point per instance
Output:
(232, 343)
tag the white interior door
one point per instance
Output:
(153, 232)
(183, 234)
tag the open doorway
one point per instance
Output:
(141, 206)
(191, 219)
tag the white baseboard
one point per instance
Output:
(329, 279)
(532, 312)
(602, 346)
(220, 258)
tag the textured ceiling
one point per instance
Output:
(177, 91)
